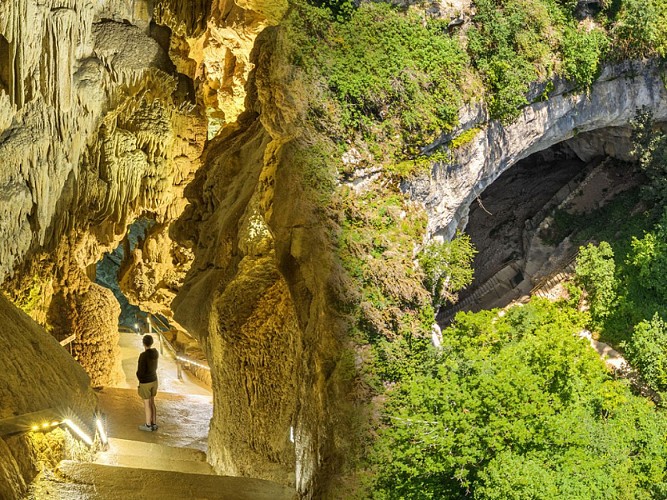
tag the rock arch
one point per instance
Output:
(612, 101)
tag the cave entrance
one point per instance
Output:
(528, 225)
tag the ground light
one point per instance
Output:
(77, 430)
(102, 432)
(44, 426)
(189, 361)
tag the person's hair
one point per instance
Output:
(147, 340)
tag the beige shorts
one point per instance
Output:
(148, 390)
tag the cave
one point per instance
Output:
(170, 168)
(526, 224)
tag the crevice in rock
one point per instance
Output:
(109, 268)
(5, 62)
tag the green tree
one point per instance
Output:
(447, 267)
(517, 406)
(649, 257)
(650, 150)
(595, 272)
(647, 351)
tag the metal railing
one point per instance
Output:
(178, 356)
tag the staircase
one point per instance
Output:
(131, 470)
(502, 281)
(139, 455)
(169, 464)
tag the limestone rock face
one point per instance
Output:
(212, 44)
(612, 101)
(96, 128)
(258, 293)
(37, 374)
(154, 273)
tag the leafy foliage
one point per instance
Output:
(389, 73)
(511, 44)
(518, 407)
(649, 257)
(650, 149)
(512, 407)
(447, 267)
(648, 351)
(595, 272)
(379, 231)
(640, 28)
(583, 52)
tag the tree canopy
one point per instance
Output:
(518, 406)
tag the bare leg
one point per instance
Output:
(148, 410)
(153, 411)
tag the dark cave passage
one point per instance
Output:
(522, 224)
(497, 220)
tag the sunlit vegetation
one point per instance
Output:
(393, 79)
(447, 268)
(624, 276)
(513, 406)
(517, 406)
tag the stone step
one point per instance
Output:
(154, 463)
(140, 455)
(142, 449)
(120, 483)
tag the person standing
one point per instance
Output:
(147, 375)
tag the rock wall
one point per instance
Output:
(37, 374)
(97, 128)
(259, 293)
(612, 101)
(210, 41)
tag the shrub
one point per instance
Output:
(650, 150)
(594, 271)
(640, 28)
(447, 267)
(582, 54)
(647, 351)
(389, 73)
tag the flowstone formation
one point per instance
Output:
(260, 293)
(97, 128)
(211, 43)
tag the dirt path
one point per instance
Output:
(612, 358)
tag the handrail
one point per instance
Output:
(159, 322)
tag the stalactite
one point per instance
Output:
(187, 19)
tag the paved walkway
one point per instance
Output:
(131, 347)
(184, 407)
(169, 464)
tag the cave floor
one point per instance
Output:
(131, 347)
(167, 464)
(184, 407)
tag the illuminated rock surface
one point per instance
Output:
(38, 374)
(105, 112)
